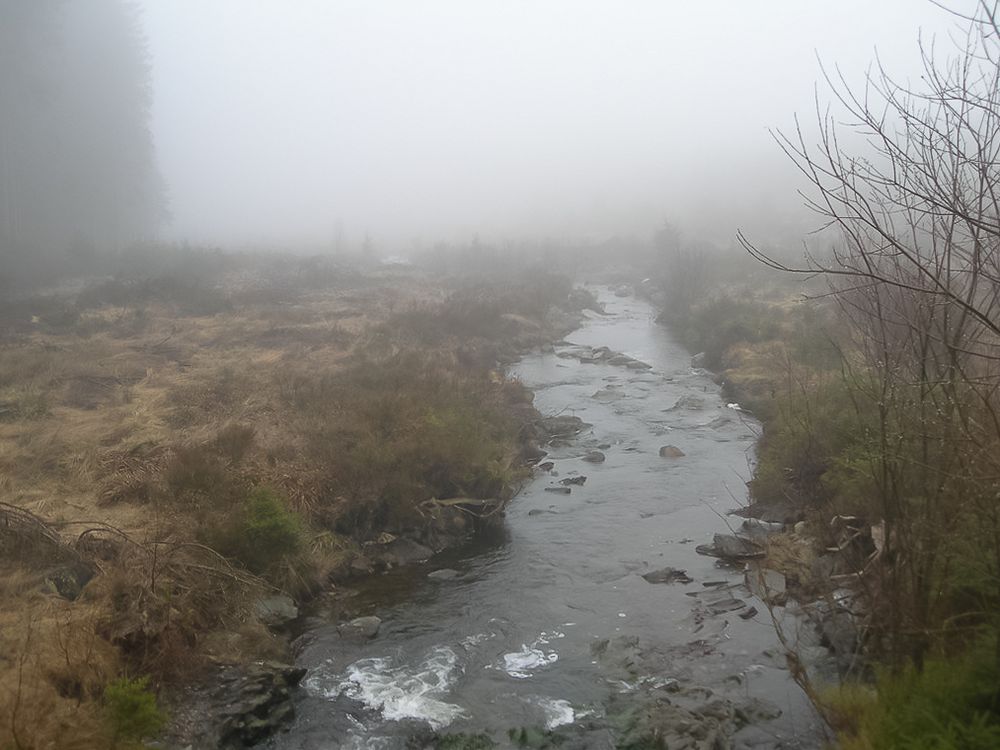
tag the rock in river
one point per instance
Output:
(595, 457)
(730, 547)
(561, 426)
(671, 451)
(360, 628)
(668, 575)
(443, 574)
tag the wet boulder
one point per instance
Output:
(255, 703)
(360, 628)
(276, 611)
(668, 575)
(731, 547)
(594, 457)
(671, 451)
(561, 426)
(635, 364)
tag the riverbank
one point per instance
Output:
(856, 467)
(179, 447)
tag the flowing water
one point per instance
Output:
(508, 640)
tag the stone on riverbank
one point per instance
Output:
(767, 585)
(730, 547)
(276, 611)
(257, 702)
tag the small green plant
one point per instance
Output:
(132, 712)
(262, 534)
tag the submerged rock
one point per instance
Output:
(360, 628)
(578, 481)
(444, 574)
(635, 364)
(559, 490)
(607, 395)
(562, 426)
(688, 402)
(595, 457)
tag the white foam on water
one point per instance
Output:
(520, 663)
(401, 692)
(470, 642)
(557, 712)
(365, 742)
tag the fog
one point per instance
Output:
(317, 122)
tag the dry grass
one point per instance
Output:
(140, 415)
(129, 413)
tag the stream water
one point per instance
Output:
(550, 624)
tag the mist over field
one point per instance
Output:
(459, 375)
(315, 123)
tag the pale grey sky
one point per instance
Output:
(275, 120)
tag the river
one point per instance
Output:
(550, 624)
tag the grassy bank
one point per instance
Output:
(176, 444)
(885, 469)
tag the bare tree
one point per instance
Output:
(916, 271)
